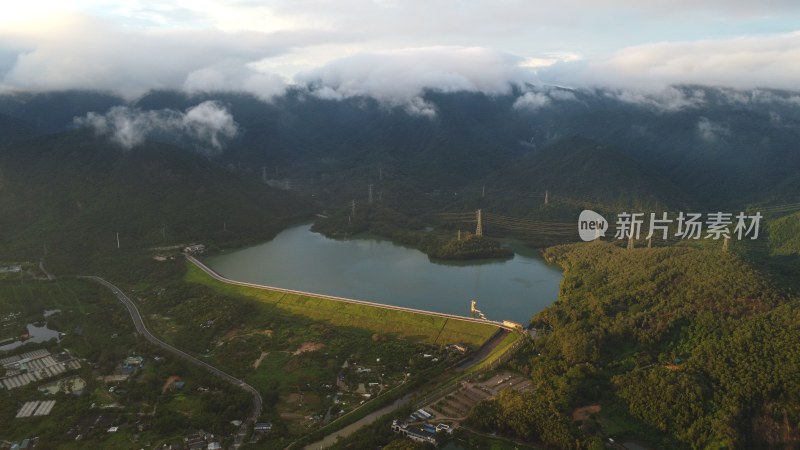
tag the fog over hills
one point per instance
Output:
(718, 146)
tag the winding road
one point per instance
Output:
(142, 329)
(138, 322)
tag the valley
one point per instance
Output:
(612, 331)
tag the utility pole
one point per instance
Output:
(118, 239)
(546, 197)
(370, 194)
(479, 228)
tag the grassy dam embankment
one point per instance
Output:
(430, 328)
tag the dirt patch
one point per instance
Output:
(308, 347)
(230, 335)
(584, 412)
(170, 381)
(258, 360)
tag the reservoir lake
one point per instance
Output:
(376, 270)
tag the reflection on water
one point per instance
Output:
(373, 269)
(36, 334)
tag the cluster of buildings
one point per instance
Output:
(194, 249)
(202, 441)
(420, 432)
(34, 366)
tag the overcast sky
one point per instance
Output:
(393, 49)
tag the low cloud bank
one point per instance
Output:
(207, 125)
(400, 78)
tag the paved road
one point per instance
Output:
(484, 351)
(330, 439)
(477, 357)
(142, 329)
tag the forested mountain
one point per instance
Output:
(689, 346)
(73, 192)
(686, 147)
(697, 345)
(715, 146)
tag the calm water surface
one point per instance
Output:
(36, 334)
(379, 271)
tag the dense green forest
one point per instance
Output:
(73, 192)
(694, 348)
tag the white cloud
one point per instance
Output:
(395, 50)
(531, 101)
(759, 96)
(710, 131)
(561, 95)
(742, 63)
(400, 77)
(84, 52)
(207, 125)
(235, 77)
(666, 99)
